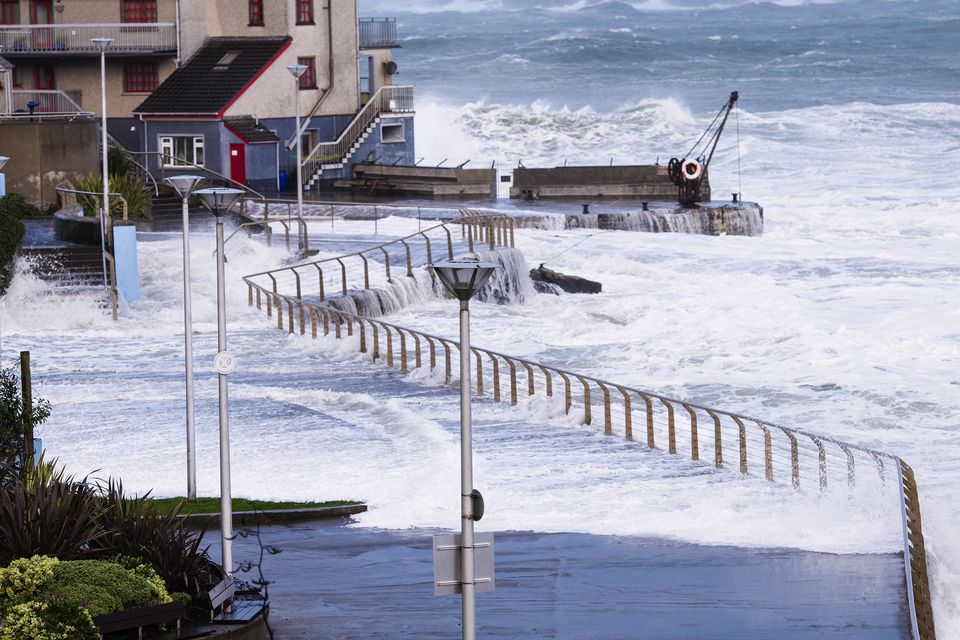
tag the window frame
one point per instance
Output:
(9, 8)
(50, 71)
(304, 12)
(167, 146)
(140, 77)
(138, 11)
(392, 126)
(308, 80)
(255, 13)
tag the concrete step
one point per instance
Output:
(66, 266)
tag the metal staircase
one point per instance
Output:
(333, 155)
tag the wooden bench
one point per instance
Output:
(226, 609)
(139, 617)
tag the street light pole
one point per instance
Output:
(219, 202)
(184, 186)
(463, 279)
(297, 71)
(102, 44)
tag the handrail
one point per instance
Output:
(68, 39)
(824, 457)
(387, 99)
(191, 165)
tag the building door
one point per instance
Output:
(238, 163)
(41, 12)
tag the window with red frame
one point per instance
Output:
(309, 78)
(256, 13)
(304, 11)
(138, 10)
(43, 77)
(10, 12)
(140, 78)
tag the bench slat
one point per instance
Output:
(243, 611)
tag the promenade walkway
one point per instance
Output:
(333, 581)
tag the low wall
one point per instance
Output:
(626, 181)
(43, 154)
(79, 229)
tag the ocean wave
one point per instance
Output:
(476, 6)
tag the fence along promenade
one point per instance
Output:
(726, 440)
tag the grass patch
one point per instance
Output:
(212, 505)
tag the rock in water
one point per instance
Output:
(570, 284)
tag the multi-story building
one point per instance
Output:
(205, 83)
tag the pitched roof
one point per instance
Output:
(249, 130)
(214, 77)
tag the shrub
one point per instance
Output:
(127, 185)
(44, 512)
(102, 587)
(23, 579)
(12, 414)
(55, 619)
(11, 232)
(162, 540)
(16, 206)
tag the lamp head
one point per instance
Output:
(463, 278)
(184, 185)
(218, 199)
(102, 43)
(3, 161)
(297, 70)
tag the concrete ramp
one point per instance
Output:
(332, 581)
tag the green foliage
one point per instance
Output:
(23, 579)
(212, 505)
(11, 232)
(137, 528)
(55, 619)
(127, 185)
(102, 587)
(48, 514)
(117, 163)
(16, 206)
(12, 414)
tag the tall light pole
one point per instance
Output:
(297, 71)
(185, 186)
(219, 201)
(463, 279)
(102, 44)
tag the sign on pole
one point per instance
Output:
(446, 563)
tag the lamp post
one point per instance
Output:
(219, 201)
(297, 70)
(185, 186)
(463, 279)
(102, 44)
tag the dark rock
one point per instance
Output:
(570, 284)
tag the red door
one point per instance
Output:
(238, 163)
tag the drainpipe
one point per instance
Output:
(177, 5)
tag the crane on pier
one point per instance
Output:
(689, 172)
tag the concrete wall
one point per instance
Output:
(635, 181)
(43, 155)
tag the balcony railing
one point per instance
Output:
(43, 104)
(378, 33)
(75, 39)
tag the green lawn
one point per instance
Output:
(212, 505)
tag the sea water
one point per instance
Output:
(841, 319)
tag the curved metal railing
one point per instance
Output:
(796, 457)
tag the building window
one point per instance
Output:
(138, 10)
(256, 13)
(181, 151)
(392, 132)
(140, 78)
(10, 12)
(309, 78)
(304, 11)
(43, 77)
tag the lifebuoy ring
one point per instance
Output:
(691, 169)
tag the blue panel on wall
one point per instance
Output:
(3, 185)
(125, 254)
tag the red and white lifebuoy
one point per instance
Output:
(691, 169)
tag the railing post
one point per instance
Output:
(607, 421)
(429, 252)
(767, 452)
(513, 380)
(851, 466)
(587, 404)
(448, 374)
(717, 440)
(650, 435)
(794, 458)
(671, 427)
(530, 390)
(479, 370)
(249, 295)
(366, 271)
(567, 395)
(490, 234)
(363, 334)
(337, 320)
(313, 322)
(822, 459)
(433, 353)
(290, 323)
(279, 302)
(297, 276)
(627, 414)
(303, 321)
(320, 277)
(343, 277)
(406, 249)
(742, 429)
(326, 322)
(694, 435)
(449, 242)
(376, 340)
(496, 376)
(416, 346)
(549, 380)
(386, 260)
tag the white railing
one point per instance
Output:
(388, 99)
(49, 103)
(66, 39)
